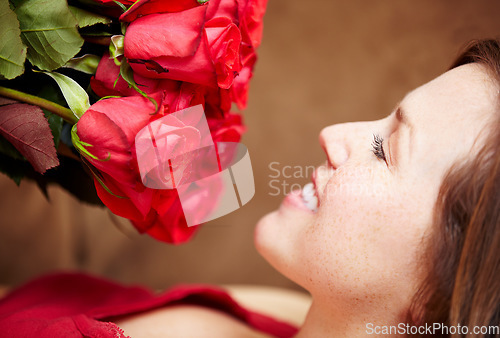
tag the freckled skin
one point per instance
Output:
(358, 255)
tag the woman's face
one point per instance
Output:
(375, 205)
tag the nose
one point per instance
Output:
(334, 143)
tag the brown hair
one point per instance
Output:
(462, 255)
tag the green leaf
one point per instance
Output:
(87, 63)
(122, 6)
(52, 93)
(76, 97)
(49, 30)
(116, 48)
(86, 18)
(55, 124)
(12, 49)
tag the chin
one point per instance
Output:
(262, 234)
(275, 240)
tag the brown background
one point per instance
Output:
(321, 62)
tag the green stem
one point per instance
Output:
(59, 110)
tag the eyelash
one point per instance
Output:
(377, 148)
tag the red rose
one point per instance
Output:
(183, 46)
(145, 7)
(108, 82)
(241, 84)
(228, 129)
(182, 54)
(107, 131)
(177, 95)
(216, 102)
(110, 127)
(165, 218)
(251, 14)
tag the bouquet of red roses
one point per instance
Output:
(80, 79)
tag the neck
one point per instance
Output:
(326, 321)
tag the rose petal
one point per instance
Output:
(224, 40)
(130, 204)
(131, 114)
(251, 14)
(170, 34)
(108, 82)
(197, 68)
(226, 8)
(145, 7)
(110, 147)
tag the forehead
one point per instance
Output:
(460, 100)
(462, 95)
(451, 111)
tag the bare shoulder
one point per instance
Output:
(197, 321)
(284, 304)
(186, 321)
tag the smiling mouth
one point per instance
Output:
(309, 193)
(310, 197)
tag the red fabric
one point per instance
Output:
(78, 305)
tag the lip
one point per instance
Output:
(294, 200)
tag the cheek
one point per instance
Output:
(366, 234)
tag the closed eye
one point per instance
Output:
(377, 147)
